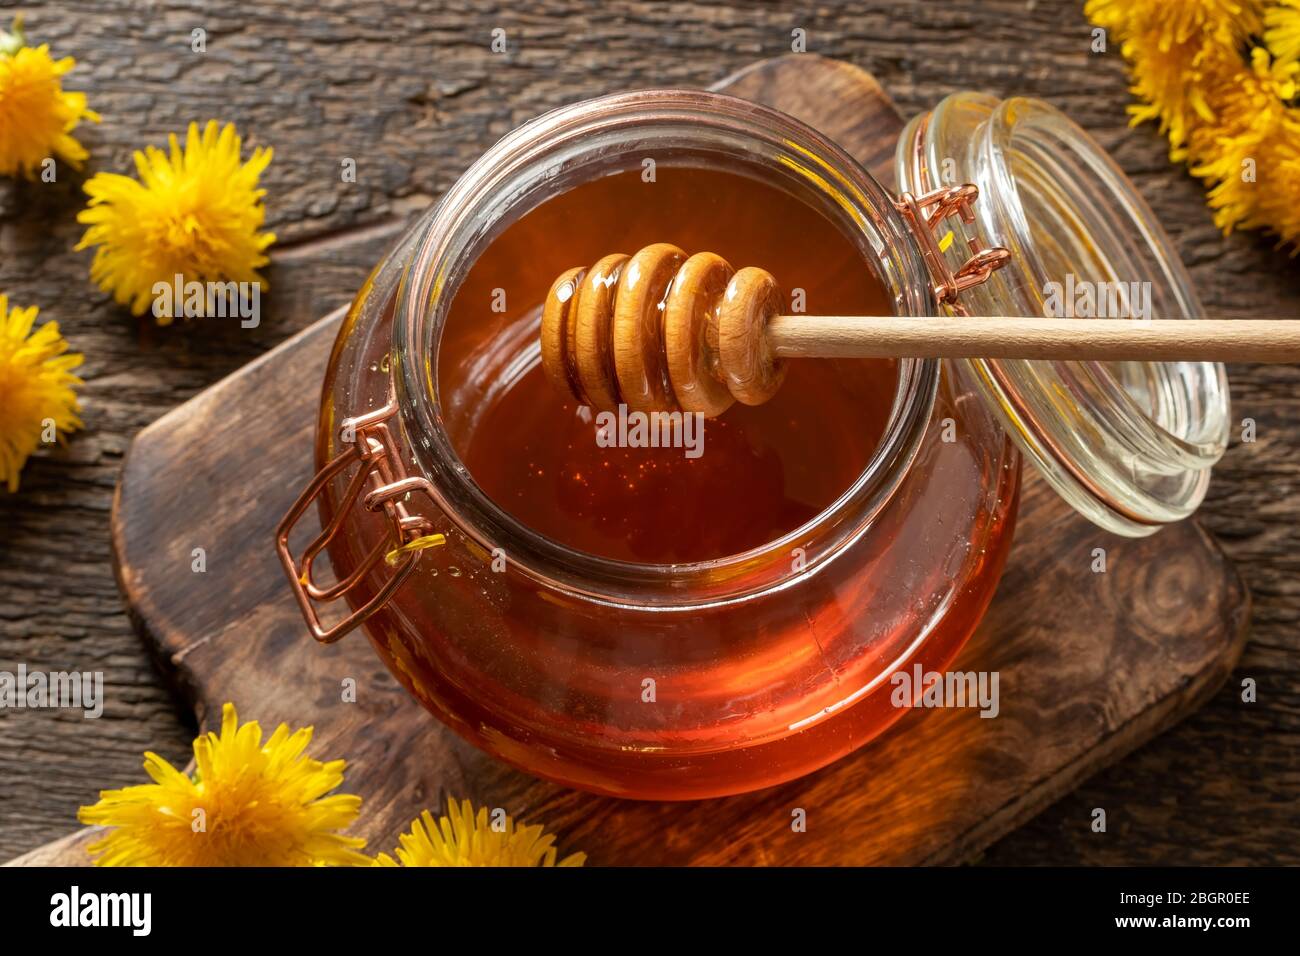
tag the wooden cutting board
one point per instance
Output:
(1091, 664)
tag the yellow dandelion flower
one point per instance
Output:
(463, 838)
(1174, 46)
(1282, 30)
(37, 401)
(1224, 99)
(195, 213)
(37, 116)
(1251, 118)
(248, 804)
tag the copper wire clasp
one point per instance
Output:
(925, 214)
(370, 446)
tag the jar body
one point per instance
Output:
(745, 694)
(691, 693)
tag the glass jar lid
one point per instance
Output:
(1129, 444)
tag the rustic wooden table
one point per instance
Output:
(413, 94)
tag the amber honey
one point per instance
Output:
(758, 472)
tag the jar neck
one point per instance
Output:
(611, 134)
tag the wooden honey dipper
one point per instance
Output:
(663, 331)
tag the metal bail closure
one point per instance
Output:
(380, 474)
(924, 216)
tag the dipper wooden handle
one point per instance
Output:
(661, 331)
(994, 336)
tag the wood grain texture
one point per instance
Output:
(409, 90)
(1083, 679)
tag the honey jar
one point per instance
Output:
(694, 619)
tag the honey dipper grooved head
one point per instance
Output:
(638, 328)
(590, 338)
(691, 334)
(751, 370)
(662, 332)
(555, 321)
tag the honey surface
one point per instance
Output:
(758, 473)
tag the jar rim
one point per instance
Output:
(562, 141)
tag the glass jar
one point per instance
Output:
(698, 680)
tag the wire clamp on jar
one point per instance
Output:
(924, 214)
(386, 485)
